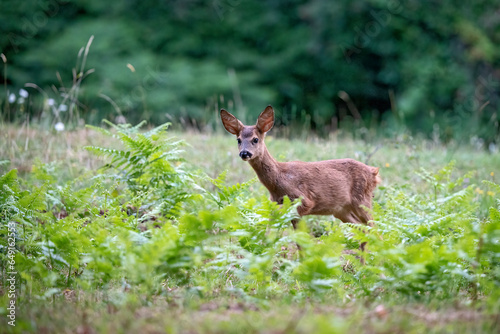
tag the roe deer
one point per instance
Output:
(338, 187)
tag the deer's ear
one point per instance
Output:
(265, 121)
(231, 123)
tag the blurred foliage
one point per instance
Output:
(417, 65)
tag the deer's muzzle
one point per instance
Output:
(245, 155)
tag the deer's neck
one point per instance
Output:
(267, 169)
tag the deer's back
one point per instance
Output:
(333, 186)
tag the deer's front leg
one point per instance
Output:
(305, 207)
(303, 210)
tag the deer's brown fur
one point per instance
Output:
(340, 187)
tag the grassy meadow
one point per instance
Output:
(174, 234)
(135, 228)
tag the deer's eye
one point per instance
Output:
(239, 141)
(255, 140)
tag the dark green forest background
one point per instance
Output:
(424, 66)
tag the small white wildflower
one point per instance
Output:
(120, 119)
(59, 126)
(12, 98)
(23, 93)
(63, 107)
(50, 102)
(20, 100)
(493, 148)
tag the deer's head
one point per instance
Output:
(250, 137)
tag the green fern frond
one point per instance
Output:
(35, 199)
(457, 197)
(135, 128)
(425, 175)
(125, 128)
(158, 130)
(494, 215)
(139, 144)
(100, 152)
(492, 185)
(220, 180)
(227, 194)
(99, 129)
(445, 173)
(9, 180)
(356, 232)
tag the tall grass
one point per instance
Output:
(58, 108)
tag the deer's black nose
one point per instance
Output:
(245, 155)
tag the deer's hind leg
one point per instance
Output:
(361, 217)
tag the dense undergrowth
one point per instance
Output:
(147, 225)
